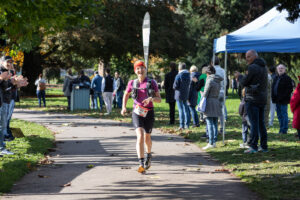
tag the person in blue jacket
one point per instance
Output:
(182, 86)
(96, 86)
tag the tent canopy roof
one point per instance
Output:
(270, 32)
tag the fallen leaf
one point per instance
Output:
(125, 167)
(90, 166)
(266, 161)
(169, 138)
(42, 176)
(95, 126)
(221, 170)
(66, 185)
(154, 177)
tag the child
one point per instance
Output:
(245, 122)
(295, 108)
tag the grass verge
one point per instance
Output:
(29, 151)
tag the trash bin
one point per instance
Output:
(80, 98)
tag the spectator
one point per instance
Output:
(119, 89)
(256, 82)
(96, 85)
(107, 90)
(4, 76)
(282, 88)
(234, 85)
(40, 90)
(245, 122)
(193, 96)
(67, 87)
(213, 108)
(202, 80)
(272, 105)
(295, 108)
(267, 108)
(181, 86)
(221, 72)
(168, 84)
(84, 81)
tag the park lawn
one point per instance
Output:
(273, 175)
(29, 151)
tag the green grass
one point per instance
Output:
(273, 175)
(28, 150)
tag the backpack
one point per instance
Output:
(136, 85)
(42, 85)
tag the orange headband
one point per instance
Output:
(138, 64)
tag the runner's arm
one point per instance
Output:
(125, 99)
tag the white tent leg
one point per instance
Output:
(225, 88)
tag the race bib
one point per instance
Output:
(141, 111)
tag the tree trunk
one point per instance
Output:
(31, 69)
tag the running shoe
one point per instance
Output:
(141, 169)
(148, 162)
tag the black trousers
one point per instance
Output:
(172, 112)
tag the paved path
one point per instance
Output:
(180, 170)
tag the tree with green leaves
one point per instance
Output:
(24, 24)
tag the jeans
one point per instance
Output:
(245, 128)
(9, 115)
(283, 119)
(172, 112)
(184, 114)
(96, 96)
(4, 114)
(119, 98)
(2, 146)
(194, 114)
(212, 129)
(258, 129)
(41, 96)
(272, 113)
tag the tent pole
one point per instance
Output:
(225, 88)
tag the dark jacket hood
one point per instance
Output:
(195, 75)
(260, 62)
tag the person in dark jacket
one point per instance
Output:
(119, 89)
(282, 89)
(168, 84)
(193, 94)
(272, 104)
(181, 86)
(256, 83)
(67, 87)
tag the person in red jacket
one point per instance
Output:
(295, 108)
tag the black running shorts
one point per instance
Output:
(144, 122)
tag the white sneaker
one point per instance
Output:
(244, 146)
(208, 146)
(6, 152)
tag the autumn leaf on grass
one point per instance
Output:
(266, 161)
(90, 166)
(66, 185)
(28, 165)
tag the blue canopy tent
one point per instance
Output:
(270, 32)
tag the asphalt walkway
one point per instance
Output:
(96, 159)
